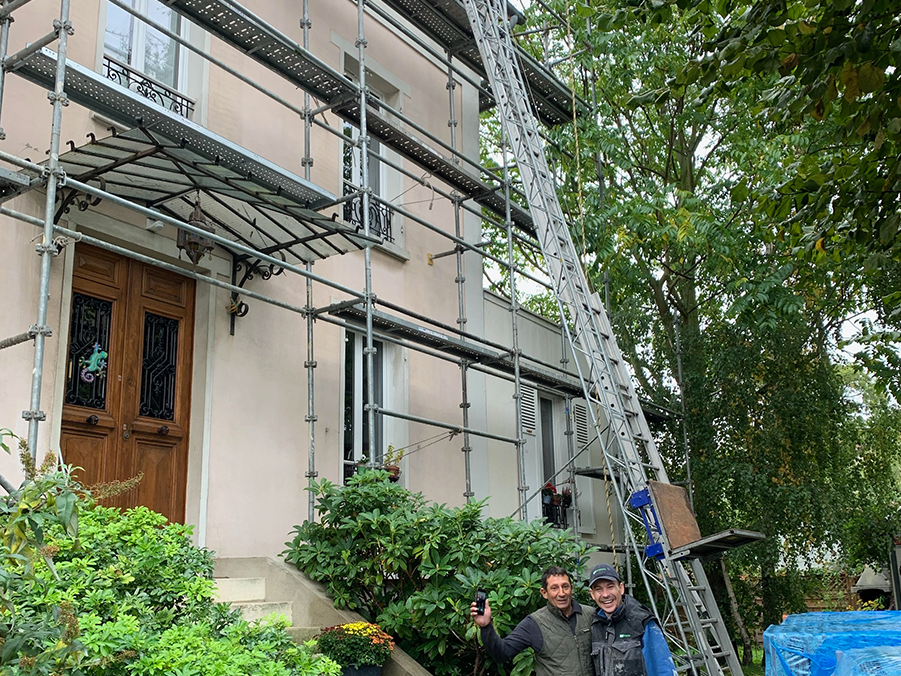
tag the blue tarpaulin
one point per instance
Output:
(880, 661)
(807, 644)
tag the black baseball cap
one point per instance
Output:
(603, 572)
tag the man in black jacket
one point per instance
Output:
(626, 639)
(560, 632)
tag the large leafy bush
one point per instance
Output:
(89, 590)
(413, 567)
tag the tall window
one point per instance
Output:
(135, 44)
(355, 386)
(352, 179)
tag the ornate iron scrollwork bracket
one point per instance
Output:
(244, 270)
(70, 196)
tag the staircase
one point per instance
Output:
(248, 594)
(261, 587)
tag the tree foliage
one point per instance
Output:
(831, 67)
(414, 567)
(721, 302)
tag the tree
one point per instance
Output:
(832, 71)
(712, 305)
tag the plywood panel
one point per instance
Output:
(675, 513)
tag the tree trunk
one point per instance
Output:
(746, 645)
(769, 598)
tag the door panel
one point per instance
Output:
(136, 419)
(88, 452)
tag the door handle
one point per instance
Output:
(125, 433)
(92, 420)
(163, 429)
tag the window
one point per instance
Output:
(355, 443)
(141, 58)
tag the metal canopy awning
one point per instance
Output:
(164, 159)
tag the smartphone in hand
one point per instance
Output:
(480, 601)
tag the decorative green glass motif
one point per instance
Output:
(94, 366)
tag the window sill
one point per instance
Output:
(394, 251)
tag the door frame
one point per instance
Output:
(134, 235)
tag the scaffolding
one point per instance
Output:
(290, 231)
(155, 132)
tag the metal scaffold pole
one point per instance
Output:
(46, 249)
(5, 21)
(310, 363)
(514, 316)
(369, 350)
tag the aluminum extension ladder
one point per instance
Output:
(691, 618)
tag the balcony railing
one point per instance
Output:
(147, 87)
(379, 215)
(554, 515)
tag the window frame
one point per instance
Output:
(353, 399)
(139, 29)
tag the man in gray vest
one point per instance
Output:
(560, 633)
(626, 639)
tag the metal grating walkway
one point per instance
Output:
(445, 21)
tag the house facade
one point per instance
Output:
(232, 371)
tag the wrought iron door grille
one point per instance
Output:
(88, 333)
(158, 367)
(147, 87)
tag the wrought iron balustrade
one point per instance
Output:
(147, 87)
(555, 515)
(379, 215)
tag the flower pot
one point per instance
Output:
(393, 472)
(364, 670)
(556, 500)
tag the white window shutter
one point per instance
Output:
(585, 486)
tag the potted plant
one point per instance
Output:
(391, 461)
(361, 648)
(547, 493)
(566, 496)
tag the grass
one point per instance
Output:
(754, 669)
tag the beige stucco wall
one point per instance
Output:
(249, 441)
(540, 340)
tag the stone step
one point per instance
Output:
(236, 589)
(254, 610)
(301, 635)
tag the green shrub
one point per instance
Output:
(89, 590)
(413, 567)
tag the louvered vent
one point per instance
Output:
(580, 416)
(529, 409)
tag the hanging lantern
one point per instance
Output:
(194, 245)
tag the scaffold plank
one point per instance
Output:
(246, 33)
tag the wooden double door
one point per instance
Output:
(128, 379)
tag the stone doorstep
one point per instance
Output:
(255, 610)
(301, 635)
(238, 589)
